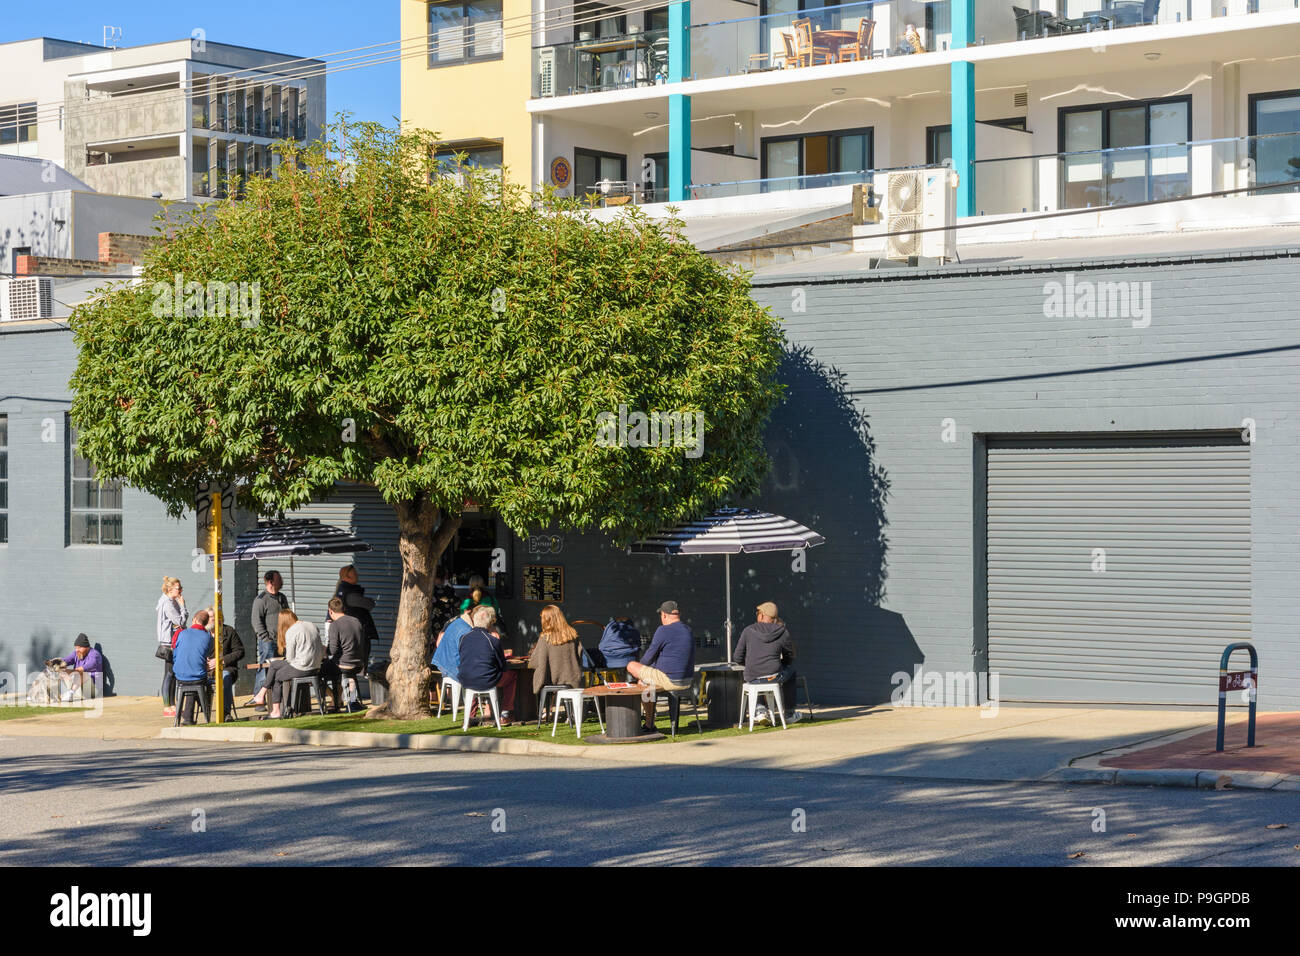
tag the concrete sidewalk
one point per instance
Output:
(1015, 743)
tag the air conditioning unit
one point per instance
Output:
(546, 71)
(916, 200)
(31, 297)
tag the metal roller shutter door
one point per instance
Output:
(1173, 517)
(360, 510)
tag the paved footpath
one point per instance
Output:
(1015, 743)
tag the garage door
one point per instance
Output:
(1118, 569)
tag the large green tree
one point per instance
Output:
(445, 339)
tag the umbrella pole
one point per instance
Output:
(728, 561)
(293, 587)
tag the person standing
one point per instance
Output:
(266, 614)
(192, 659)
(171, 615)
(669, 661)
(356, 604)
(767, 651)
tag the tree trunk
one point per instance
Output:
(421, 541)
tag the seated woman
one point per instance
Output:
(299, 648)
(83, 671)
(555, 659)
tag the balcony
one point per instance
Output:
(1135, 174)
(608, 63)
(1003, 22)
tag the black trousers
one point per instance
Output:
(280, 673)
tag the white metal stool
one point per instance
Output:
(449, 685)
(752, 694)
(491, 695)
(577, 702)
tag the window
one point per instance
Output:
(18, 123)
(1125, 152)
(461, 32)
(591, 167)
(819, 159)
(95, 508)
(1275, 138)
(4, 479)
(475, 157)
(585, 14)
(654, 176)
(938, 139)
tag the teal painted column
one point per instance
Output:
(679, 105)
(963, 107)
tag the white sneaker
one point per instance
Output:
(761, 715)
(795, 717)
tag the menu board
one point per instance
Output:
(544, 582)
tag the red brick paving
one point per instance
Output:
(1276, 750)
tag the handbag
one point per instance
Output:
(163, 652)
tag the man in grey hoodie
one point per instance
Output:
(767, 651)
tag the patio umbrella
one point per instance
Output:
(293, 537)
(730, 531)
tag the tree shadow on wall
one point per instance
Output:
(42, 648)
(825, 475)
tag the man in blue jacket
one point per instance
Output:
(669, 661)
(192, 659)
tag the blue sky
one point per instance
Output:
(326, 26)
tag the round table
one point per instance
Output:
(724, 683)
(622, 711)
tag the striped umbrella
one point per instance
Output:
(730, 531)
(293, 537)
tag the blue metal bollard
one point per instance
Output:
(1226, 679)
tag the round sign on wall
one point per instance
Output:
(561, 172)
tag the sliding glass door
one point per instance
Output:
(1125, 153)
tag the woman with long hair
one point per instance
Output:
(279, 670)
(170, 614)
(557, 658)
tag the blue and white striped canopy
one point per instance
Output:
(293, 537)
(730, 531)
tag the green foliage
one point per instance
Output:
(378, 300)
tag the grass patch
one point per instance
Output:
(686, 732)
(16, 713)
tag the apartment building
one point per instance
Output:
(175, 120)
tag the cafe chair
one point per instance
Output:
(802, 681)
(472, 695)
(750, 697)
(675, 699)
(200, 693)
(576, 701)
(808, 52)
(311, 686)
(548, 691)
(791, 58)
(861, 50)
(449, 686)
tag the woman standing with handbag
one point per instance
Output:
(171, 614)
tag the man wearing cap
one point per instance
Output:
(767, 651)
(669, 661)
(84, 662)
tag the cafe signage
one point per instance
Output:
(544, 582)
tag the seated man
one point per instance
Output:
(483, 662)
(192, 660)
(83, 670)
(343, 659)
(446, 655)
(767, 651)
(669, 661)
(232, 652)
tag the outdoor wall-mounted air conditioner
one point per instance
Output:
(919, 203)
(546, 71)
(30, 297)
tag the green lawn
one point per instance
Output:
(14, 713)
(686, 732)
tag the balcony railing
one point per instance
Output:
(605, 63)
(999, 23)
(757, 44)
(751, 187)
(1131, 174)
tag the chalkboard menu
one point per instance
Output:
(544, 582)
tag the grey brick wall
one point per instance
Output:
(895, 583)
(49, 591)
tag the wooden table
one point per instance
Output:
(723, 690)
(525, 708)
(834, 39)
(622, 710)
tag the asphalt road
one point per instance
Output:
(131, 803)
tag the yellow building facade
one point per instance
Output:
(471, 84)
